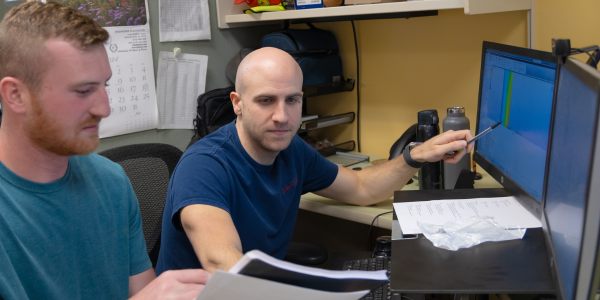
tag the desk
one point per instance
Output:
(517, 266)
(365, 215)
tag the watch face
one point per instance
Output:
(413, 144)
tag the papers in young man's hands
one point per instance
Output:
(260, 276)
(505, 211)
(258, 264)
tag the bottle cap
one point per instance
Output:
(428, 117)
(456, 110)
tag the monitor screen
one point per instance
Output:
(569, 170)
(517, 90)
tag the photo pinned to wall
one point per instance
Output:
(131, 89)
(110, 13)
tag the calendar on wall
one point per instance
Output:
(131, 89)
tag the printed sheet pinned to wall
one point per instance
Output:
(131, 89)
(183, 20)
(180, 81)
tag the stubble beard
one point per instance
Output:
(46, 133)
(258, 140)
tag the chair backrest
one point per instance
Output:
(149, 168)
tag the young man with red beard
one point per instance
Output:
(70, 225)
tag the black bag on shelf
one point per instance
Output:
(214, 111)
(315, 50)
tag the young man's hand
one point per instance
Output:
(438, 147)
(181, 284)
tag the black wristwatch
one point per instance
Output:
(409, 160)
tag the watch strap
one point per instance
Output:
(409, 160)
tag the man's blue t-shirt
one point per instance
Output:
(261, 199)
(79, 237)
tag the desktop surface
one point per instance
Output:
(518, 266)
(365, 214)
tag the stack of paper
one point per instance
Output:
(259, 276)
(505, 211)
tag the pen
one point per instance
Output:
(478, 136)
(484, 132)
(471, 140)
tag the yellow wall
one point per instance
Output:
(574, 19)
(412, 65)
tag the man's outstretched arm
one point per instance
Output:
(213, 236)
(378, 183)
(181, 284)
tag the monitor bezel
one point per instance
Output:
(526, 199)
(589, 248)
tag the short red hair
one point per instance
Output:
(26, 28)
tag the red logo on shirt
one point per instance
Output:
(291, 185)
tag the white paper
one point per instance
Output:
(505, 211)
(180, 81)
(228, 286)
(183, 20)
(257, 254)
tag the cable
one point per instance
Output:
(580, 50)
(369, 233)
(357, 88)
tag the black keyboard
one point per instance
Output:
(375, 264)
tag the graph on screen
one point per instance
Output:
(517, 91)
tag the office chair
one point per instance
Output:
(306, 254)
(149, 168)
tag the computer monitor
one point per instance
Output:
(571, 219)
(517, 88)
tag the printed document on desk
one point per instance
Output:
(180, 81)
(506, 211)
(183, 20)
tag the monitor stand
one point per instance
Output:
(518, 266)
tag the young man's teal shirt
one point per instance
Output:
(79, 237)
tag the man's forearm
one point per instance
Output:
(371, 185)
(213, 236)
(378, 183)
(222, 260)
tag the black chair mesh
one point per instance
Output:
(149, 168)
(149, 177)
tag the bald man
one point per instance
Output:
(238, 189)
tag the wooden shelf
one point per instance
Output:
(230, 15)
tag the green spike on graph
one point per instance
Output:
(508, 94)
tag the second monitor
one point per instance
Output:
(517, 88)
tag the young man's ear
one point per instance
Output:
(236, 100)
(15, 95)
